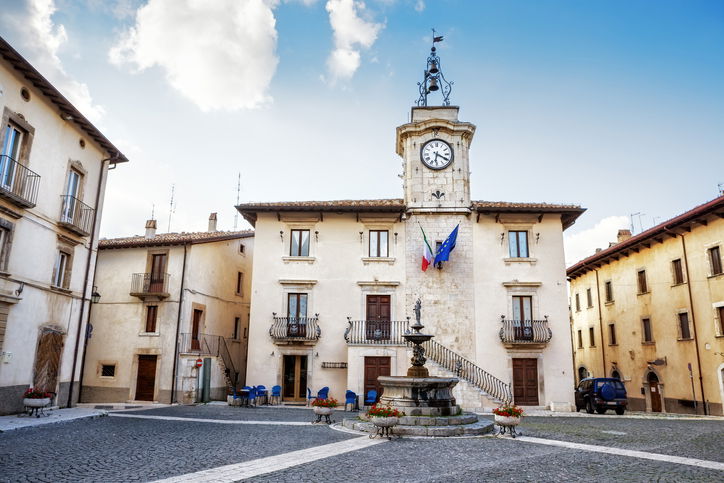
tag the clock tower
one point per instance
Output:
(434, 147)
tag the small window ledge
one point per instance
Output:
(309, 260)
(715, 275)
(644, 293)
(613, 345)
(62, 290)
(149, 334)
(648, 342)
(610, 302)
(368, 260)
(531, 261)
(678, 284)
(680, 339)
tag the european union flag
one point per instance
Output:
(443, 254)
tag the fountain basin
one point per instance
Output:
(420, 396)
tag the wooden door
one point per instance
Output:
(294, 381)
(378, 317)
(655, 392)
(375, 367)
(47, 361)
(146, 378)
(195, 326)
(525, 382)
(158, 270)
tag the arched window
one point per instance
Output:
(616, 375)
(582, 373)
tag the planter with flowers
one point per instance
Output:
(36, 400)
(384, 418)
(324, 407)
(508, 417)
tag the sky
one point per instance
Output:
(617, 106)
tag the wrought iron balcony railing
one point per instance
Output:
(149, 284)
(295, 329)
(525, 331)
(18, 184)
(76, 216)
(376, 332)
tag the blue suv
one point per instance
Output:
(601, 393)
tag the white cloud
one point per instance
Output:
(40, 39)
(351, 33)
(221, 55)
(419, 5)
(584, 243)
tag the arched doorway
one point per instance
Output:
(654, 392)
(582, 373)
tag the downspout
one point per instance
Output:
(600, 322)
(693, 323)
(85, 280)
(85, 338)
(178, 328)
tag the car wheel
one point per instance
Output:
(600, 410)
(589, 407)
(620, 411)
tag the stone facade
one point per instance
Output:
(650, 335)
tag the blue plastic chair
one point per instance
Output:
(371, 397)
(323, 393)
(310, 398)
(261, 392)
(252, 396)
(276, 394)
(350, 398)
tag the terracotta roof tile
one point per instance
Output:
(173, 239)
(394, 203)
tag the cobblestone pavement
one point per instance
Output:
(111, 449)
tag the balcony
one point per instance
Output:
(527, 333)
(18, 184)
(295, 330)
(376, 332)
(76, 216)
(145, 285)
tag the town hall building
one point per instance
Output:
(334, 282)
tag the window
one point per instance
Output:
(299, 246)
(61, 271)
(297, 305)
(578, 303)
(589, 298)
(720, 314)
(151, 316)
(239, 283)
(580, 339)
(591, 337)
(378, 243)
(10, 155)
(6, 230)
(108, 370)
(522, 307)
(684, 331)
(611, 334)
(608, 286)
(646, 323)
(245, 333)
(237, 326)
(241, 248)
(641, 277)
(677, 271)
(715, 261)
(70, 199)
(518, 244)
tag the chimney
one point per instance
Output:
(623, 235)
(212, 222)
(150, 228)
(598, 250)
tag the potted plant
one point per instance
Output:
(34, 398)
(324, 407)
(384, 416)
(508, 416)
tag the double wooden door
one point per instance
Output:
(375, 367)
(294, 384)
(146, 378)
(655, 392)
(378, 317)
(525, 382)
(158, 271)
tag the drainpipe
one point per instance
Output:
(85, 279)
(178, 328)
(85, 339)
(693, 323)
(600, 322)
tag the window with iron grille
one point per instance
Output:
(715, 260)
(518, 244)
(677, 271)
(684, 331)
(299, 245)
(108, 370)
(642, 285)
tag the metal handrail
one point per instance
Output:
(465, 369)
(376, 332)
(149, 283)
(17, 182)
(295, 328)
(76, 213)
(228, 361)
(525, 331)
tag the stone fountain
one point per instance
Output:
(428, 402)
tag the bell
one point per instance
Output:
(433, 67)
(433, 85)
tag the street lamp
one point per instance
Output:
(95, 296)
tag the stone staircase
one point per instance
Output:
(467, 395)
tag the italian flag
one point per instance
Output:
(426, 252)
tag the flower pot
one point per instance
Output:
(507, 420)
(322, 411)
(36, 402)
(385, 422)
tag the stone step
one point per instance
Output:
(467, 395)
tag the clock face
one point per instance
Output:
(436, 154)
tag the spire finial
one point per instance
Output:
(434, 79)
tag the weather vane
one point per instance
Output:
(434, 80)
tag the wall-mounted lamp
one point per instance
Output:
(395, 238)
(502, 237)
(281, 235)
(361, 236)
(95, 296)
(316, 354)
(537, 237)
(20, 289)
(316, 236)
(272, 354)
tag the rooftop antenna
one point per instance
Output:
(720, 187)
(238, 190)
(153, 210)
(639, 214)
(172, 207)
(433, 78)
